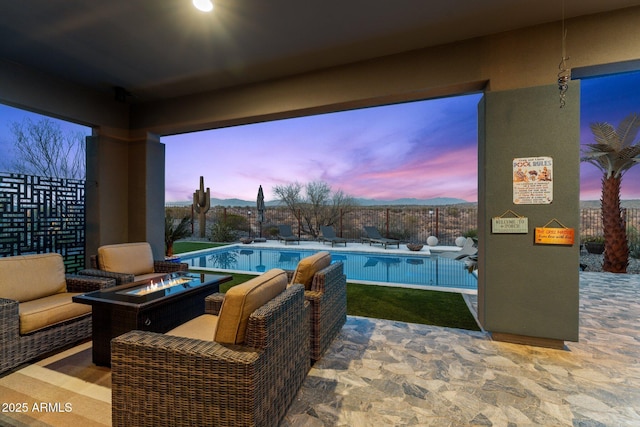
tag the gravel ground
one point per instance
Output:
(594, 263)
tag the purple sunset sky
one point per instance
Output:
(421, 149)
(405, 150)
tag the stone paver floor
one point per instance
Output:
(382, 372)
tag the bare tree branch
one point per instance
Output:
(41, 148)
(317, 207)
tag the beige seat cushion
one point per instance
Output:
(47, 311)
(132, 258)
(242, 300)
(200, 328)
(309, 266)
(29, 277)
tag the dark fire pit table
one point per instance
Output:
(157, 306)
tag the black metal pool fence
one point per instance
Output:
(407, 223)
(39, 215)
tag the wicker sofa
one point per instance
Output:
(129, 262)
(240, 366)
(37, 314)
(326, 291)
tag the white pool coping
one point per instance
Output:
(350, 247)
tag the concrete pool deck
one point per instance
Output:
(350, 247)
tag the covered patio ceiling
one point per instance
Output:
(158, 50)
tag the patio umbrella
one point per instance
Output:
(260, 205)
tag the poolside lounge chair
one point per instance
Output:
(329, 235)
(468, 249)
(286, 234)
(373, 236)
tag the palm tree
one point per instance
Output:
(614, 153)
(173, 232)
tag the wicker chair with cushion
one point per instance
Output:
(37, 314)
(129, 262)
(241, 366)
(326, 291)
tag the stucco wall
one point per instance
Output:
(524, 288)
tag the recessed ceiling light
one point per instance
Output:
(203, 5)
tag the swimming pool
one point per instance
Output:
(365, 267)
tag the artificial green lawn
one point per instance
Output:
(436, 308)
(190, 246)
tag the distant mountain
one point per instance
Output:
(231, 202)
(438, 201)
(218, 202)
(595, 204)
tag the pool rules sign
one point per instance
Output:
(532, 180)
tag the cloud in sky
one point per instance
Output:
(420, 149)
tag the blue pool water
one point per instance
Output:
(428, 271)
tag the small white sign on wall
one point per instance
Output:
(508, 225)
(532, 180)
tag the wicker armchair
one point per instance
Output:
(20, 278)
(129, 262)
(181, 381)
(326, 292)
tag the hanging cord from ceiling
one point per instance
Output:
(564, 75)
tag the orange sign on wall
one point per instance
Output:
(554, 236)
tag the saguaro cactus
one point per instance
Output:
(201, 205)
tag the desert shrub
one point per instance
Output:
(453, 211)
(175, 231)
(221, 232)
(633, 237)
(177, 211)
(473, 233)
(237, 222)
(399, 234)
(634, 250)
(271, 231)
(411, 222)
